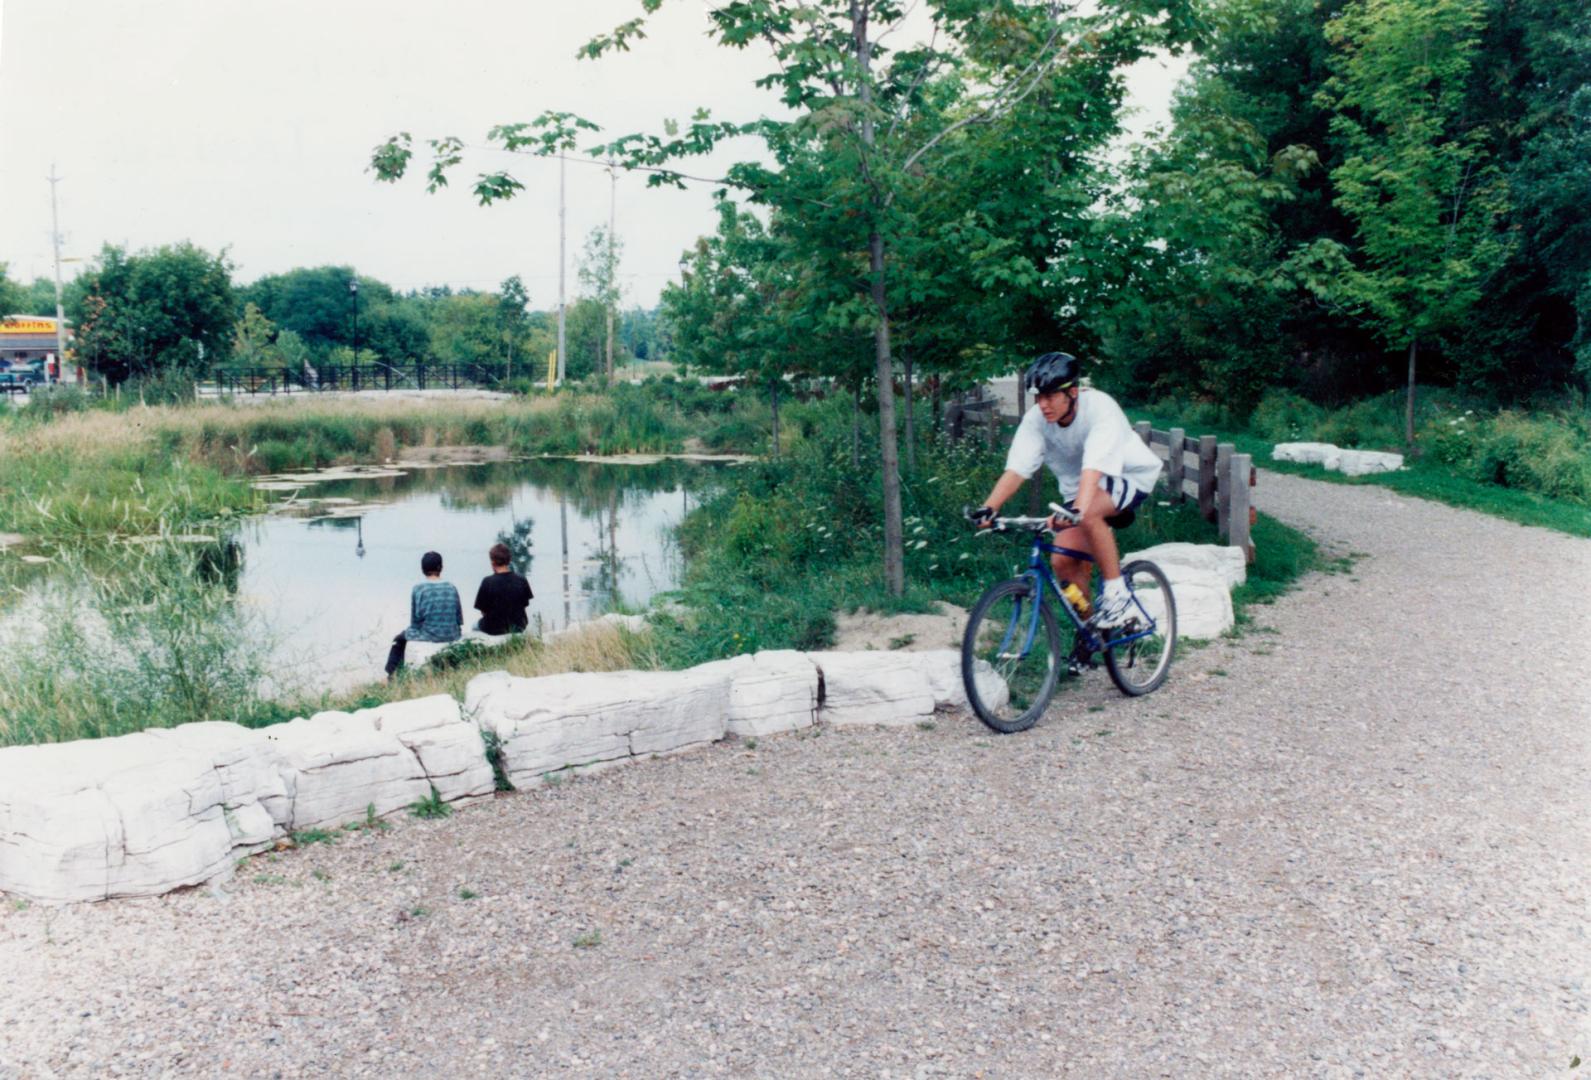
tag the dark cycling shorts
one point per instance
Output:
(1123, 495)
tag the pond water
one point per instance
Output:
(328, 571)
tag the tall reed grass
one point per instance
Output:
(147, 635)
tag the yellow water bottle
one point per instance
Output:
(1076, 598)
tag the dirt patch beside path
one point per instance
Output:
(913, 633)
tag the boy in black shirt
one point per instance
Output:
(502, 597)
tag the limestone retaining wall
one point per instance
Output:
(144, 814)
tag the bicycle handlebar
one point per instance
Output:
(1037, 524)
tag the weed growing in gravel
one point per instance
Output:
(494, 755)
(395, 867)
(588, 941)
(320, 875)
(269, 879)
(467, 893)
(902, 641)
(306, 837)
(432, 807)
(19, 905)
(370, 822)
(419, 911)
(926, 725)
(751, 744)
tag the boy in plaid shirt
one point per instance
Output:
(435, 613)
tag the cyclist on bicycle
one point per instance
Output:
(1105, 471)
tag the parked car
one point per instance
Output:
(19, 377)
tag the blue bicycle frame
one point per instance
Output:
(1039, 573)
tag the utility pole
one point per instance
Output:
(563, 170)
(60, 311)
(613, 285)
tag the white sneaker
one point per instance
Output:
(1115, 611)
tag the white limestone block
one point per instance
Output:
(417, 653)
(632, 623)
(478, 691)
(137, 815)
(887, 689)
(992, 688)
(772, 691)
(1347, 462)
(1204, 604)
(1226, 562)
(1307, 453)
(560, 721)
(1364, 462)
(448, 747)
(941, 670)
(258, 805)
(338, 765)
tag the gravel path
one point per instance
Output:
(1353, 842)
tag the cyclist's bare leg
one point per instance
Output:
(1102, 540)
(1077, 571)
(1095, 506)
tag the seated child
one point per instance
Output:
(435, 613)
(503, 596)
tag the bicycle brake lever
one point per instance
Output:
(1063, 513)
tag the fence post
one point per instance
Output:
(1176, 467)
(1223, 491)
(1242, 468)
(1142, 430)
(1207, 477)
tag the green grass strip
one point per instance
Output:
(1422, 480)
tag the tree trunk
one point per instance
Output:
(610, 344)
(938, 404)
(889, 451)
(775, 394)
(856, 423)
(910, 424)
(1408, 408)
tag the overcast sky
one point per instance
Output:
(248, 124)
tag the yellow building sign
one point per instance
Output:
(27, 326)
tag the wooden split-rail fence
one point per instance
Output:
(1196, 466)
(1214, 473)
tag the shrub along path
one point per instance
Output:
(1351, 842)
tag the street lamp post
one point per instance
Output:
(353, 290)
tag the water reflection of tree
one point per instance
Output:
(517, 540)
(603, 580)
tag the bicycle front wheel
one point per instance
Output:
(1138, 655)
(1011, 656)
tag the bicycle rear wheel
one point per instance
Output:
(1011, 656)
(1141, 662)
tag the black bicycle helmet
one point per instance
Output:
(1053, 371)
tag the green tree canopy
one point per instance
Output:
(1417, 178)
(166, 308)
